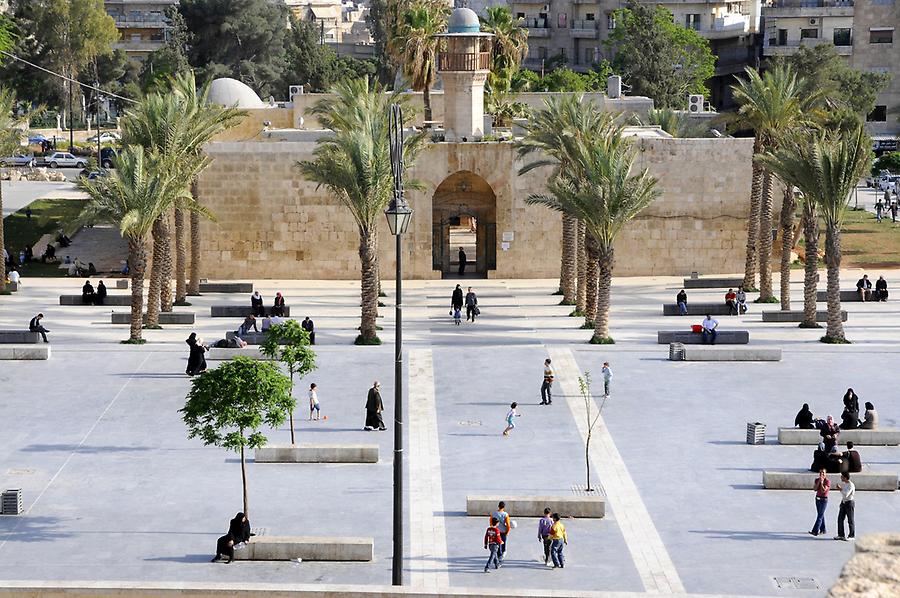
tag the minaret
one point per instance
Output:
(464, 64)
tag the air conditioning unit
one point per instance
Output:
(695, 103)
(294, 90)
(814, 21)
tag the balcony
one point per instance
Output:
(809, 8)
(584, 29)
(731, 25)
(536, 27)
(141, 21)
(469, 61)
(584, 1)
(791, 46)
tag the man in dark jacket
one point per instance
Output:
(374, 407)
(100, 295)
(471, 305)
(36, 326)
(308, 326)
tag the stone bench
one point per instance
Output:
(593, 506)
(226, 287)
(803, 480)
(730, 353)
(218, 354)
(13, 287)
(25, 352)
(165, 317)
(723, 337)
(240, 311)
(19, 337)
(846, 296)
(111, 299)
(697, 309)
(122, 283)
(308, 548)
(711, 282)
(796, 315)
(859, 437)
(317, 453)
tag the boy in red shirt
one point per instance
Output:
(492, 542)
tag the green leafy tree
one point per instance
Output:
(415, 46)
(376, 20)
(7, 36)
(826, 167)
(659, 58)
(163, 64)
(288, 343)
(510, 43)
(889, 161)
(227, 406)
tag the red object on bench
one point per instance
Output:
(696, 328)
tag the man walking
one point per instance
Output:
(846, 510)
(374, 407)
(462, 262)
(544, 525)
(471, 305)
(503, 524)
(558, 539)
(607, 379)
(494, 543)
(36, 326)
(547, 386)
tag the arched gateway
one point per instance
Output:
(464, 214)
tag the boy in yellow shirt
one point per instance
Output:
(558, 539)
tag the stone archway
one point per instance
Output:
(462, 203)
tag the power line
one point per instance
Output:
(69, 79)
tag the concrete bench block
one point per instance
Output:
(308, 548)
(251, 338)
(697, 309)
(317, 453)
(226, 287)
(533, 506)
(13, 287)
(848, 296)
(219, 354)
(122, 283)
(711, 282)
(239, 311)
(165, 317)
(796, 315)
(803, 480)
(859, 437)
(19, 337)
(730, 353)
(724, 337)
(25, 352)
(111, 299)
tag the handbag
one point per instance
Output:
(451, 312)
(476, 311)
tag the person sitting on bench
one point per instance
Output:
(871, 421)
(881, 292)
(87, 293)
(804, 419)
(850, 460)
(249, 322)
(100, 295)
(731, 302)
(278, 306)
(864, 288)
(256, 304)
(681, 300)
(849, 419)
(36, 326)
(829, 433)
(742, 300)
(709, 326)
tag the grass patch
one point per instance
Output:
(588, 325)
(154, 327)
(360, 340)
(772, 299)
(602, 340)
(831, 340)
(134, 341)
(48, 216)
(564, 302)
(558, 292)
(376, 328)
(576, 314)
(866, 243)
(805, 325)
(182, 303)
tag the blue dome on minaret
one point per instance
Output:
(463, 20)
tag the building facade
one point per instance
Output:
(142, 25)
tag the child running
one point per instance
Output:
(313, 401)
(510, 418)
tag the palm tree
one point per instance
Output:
(354, 165)
(416, 46)
(133, 196)
(772, 104)
(826, 167)
(786, 224)
(510, 45)
(605, 196)
(581, 288)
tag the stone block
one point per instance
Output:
(593, 506)
(796, 315)
(25, 352)
(111, 299)
(13, 287)
(687, 337)
(803, 480)
(239, 311)
(731, 353)
(221, 354)
(19, 337)
(846, 296)
(226, 287)
(165, 317)
(697, 309)
(317, 453)
(859, 437)
(251, 338)
(874, 571)
(710, 282)
(122, 283)
(308, 548)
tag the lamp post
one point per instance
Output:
(398, 216)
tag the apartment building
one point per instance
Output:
(142, 24)
(340, 21)
(862, 30)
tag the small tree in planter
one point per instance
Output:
(584, 386)
(288, 343)
(226, 406)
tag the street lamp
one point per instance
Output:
(398, 216)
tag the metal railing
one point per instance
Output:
(469, 61)
(584, 24)
(811, 3)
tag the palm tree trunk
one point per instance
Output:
(137, 260)
(426, 100)
(244, 480)
(787, 244)
(2, 243)
(165, 273)
(753, 223)
(606, 258)
(835, 331)
(581, 290)
(155, 277)
(811, 267)
(180, 258)
(765, 240)
(291, 411)
(368, 257)
(194, 284)
(592, 250)
(568, 267)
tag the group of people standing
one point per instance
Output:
(551, 534)
(470, 301)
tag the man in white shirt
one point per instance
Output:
(13, 277)
(709, 329)
(848, 494)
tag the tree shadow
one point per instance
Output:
(752, 535)
(188, 558)
(87, 449)
(27, 528)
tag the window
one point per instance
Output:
(878, 115)
(589, 16)
(842, 37)
(809, 34)
(562, 54)
(881, 35)
(610, 21)
(520, 15)
(782, 37)
(591, 55)
(692, 21)
(542, 53)
(561, 20)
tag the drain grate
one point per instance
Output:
(796, 583)
(259, 531)
(470, 422)
(20, 472)
(581, 489)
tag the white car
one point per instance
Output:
(106, 137)
(889, 183)
(64, 160)
(18, 160)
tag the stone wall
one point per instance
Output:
(879, 57)
(271, 223)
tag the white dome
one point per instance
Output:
(233, 93)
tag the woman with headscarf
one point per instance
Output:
(851, 401)
(224, 548)
(871, 422)
(804, 418)
(197, 359)
(849, 420)
(256, 304)
(278, 306)
(829, 433)
(239, 529)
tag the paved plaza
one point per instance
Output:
(113, 489)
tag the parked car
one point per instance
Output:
(64, 160)
(19, 159)
(108, 157)
(889, 183)
(106, 137)
(36, 139)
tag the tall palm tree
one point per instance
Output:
(771, 104)
(133, 196)
(826, 167)
(606, 196)
(510, 45)
(581, 287)
(786, 225)
(416, 46)
(354, 165)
